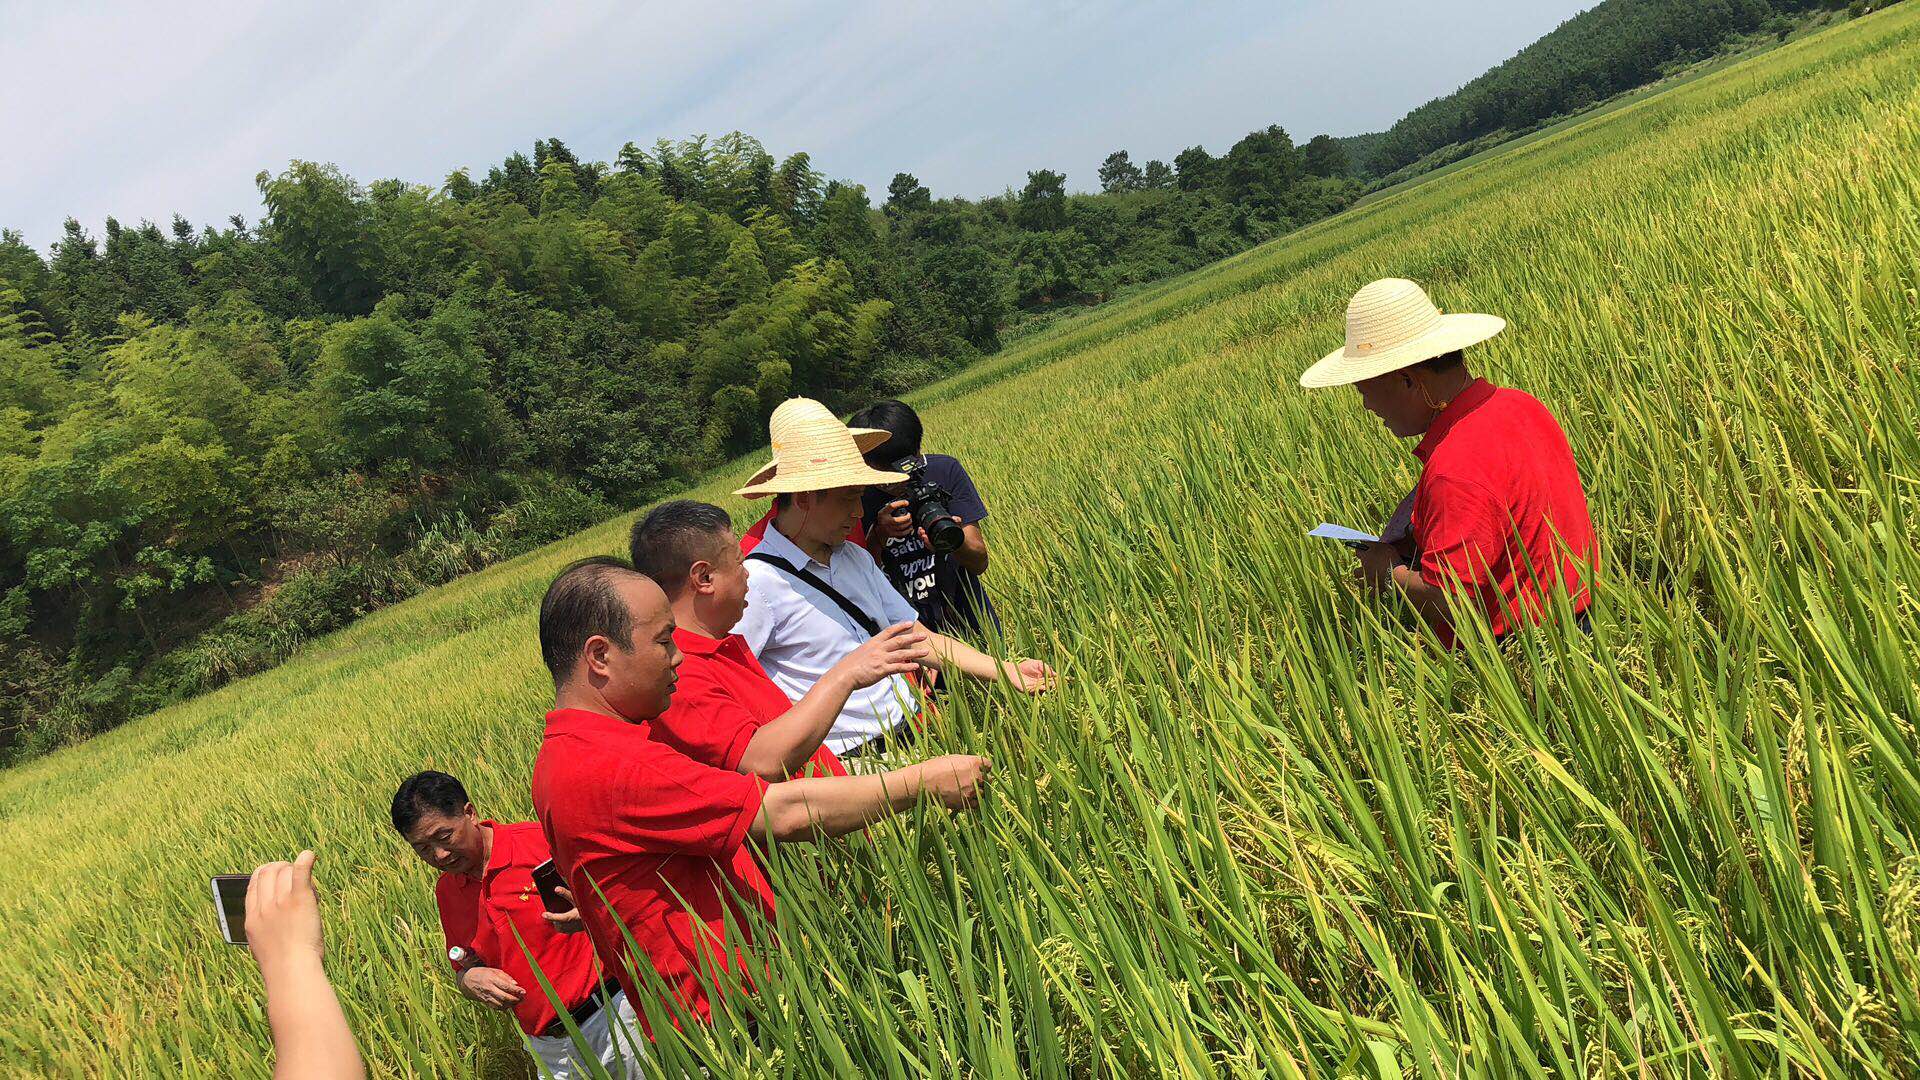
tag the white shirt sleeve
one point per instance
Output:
(762, 617)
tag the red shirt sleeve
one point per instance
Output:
(705, 722)
(459, 912)
(1461, 532)
(666, 803)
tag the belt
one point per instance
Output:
(900, 734)
(584, 1011)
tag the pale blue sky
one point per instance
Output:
(141, 110)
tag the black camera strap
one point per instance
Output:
(866, 621)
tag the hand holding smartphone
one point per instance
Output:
(230, 900)
(548, 880)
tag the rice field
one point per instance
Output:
(1262, 830)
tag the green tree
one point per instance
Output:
(406, 395)
(559, 187)
(906, 195)
(1324, 156)
(964, 275)
(796, 188)
(1262, 172)
(1043, 202)
(320, 221)
(1118, 173)
(1193, 168)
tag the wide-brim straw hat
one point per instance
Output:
(814, 451)
(1391, 324)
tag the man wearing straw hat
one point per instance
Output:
(1499, 517)
(812, 597)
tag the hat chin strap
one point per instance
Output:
(1436, 406)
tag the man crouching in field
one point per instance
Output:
(725, 710)
(1499, 518)
(489, 907)
(653, 843)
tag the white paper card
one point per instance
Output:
(1328, 531)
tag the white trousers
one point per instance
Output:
(612, 1036)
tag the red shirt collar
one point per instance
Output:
(586, 721)
(501, 856)
(695, 644)
(1474, 396)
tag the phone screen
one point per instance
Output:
(547, 878)
(230, 900)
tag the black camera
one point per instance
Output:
(927, 504)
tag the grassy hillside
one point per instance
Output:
(1261, 830)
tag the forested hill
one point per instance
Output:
(1615, 46)
(219, 441)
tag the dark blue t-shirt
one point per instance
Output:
(948, 596)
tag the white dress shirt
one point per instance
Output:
(798, 632)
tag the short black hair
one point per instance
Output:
(902, 424)
(673, 536)
(580, 604)
(424, 791)
(1444, 363)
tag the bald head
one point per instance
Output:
(606, 634)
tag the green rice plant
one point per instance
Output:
(1264, 828)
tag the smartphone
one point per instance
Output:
(230, 900)
(547, 880)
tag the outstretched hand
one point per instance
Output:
(956, 780)
(897, 650)
(1029, 676)
(283, 913)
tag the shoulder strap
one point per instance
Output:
(866, 621)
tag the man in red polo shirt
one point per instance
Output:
(725, 710)
(489, 907)
(652, 842)
(1500, 520)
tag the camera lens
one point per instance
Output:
(944, 533)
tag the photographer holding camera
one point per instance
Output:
(925, 533)
(813, 596)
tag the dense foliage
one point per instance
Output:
(1614, 46)
(216, 443)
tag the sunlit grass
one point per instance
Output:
(1261, 830)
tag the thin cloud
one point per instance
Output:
(141, 111)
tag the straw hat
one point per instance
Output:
(1391, 324)
(814, 451)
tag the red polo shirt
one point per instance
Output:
(722, 698)
(482, 915)
(1499, 513)
(757, 532)
(662, 835)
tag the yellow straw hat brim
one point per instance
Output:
(1347, 364)
(823, 475)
